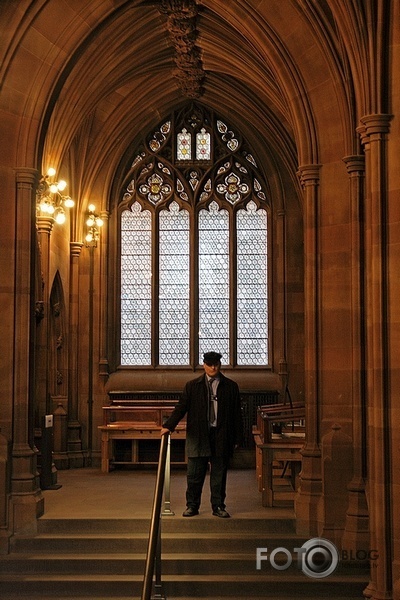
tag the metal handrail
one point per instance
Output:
(167, 512)
(155, 520)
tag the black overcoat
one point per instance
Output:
(194, 404)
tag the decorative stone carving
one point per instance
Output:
(181, 25)
(39, 310)
(56, 309)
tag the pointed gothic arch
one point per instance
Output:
(200, 281)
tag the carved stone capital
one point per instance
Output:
(44, 224)
(355, 163)
(75, 248)
(26, 176)
(309, 174)
(376, 124)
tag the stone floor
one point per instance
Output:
(89, 493)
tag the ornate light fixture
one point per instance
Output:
(50, 202)
(94, 222)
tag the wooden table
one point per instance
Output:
(134, 423)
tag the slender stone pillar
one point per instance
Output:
(307, 502)
(4, 493)
(75, 453)
(44, 228)
(43, 403)
(337, 474)
(103, 333)
(26, 502)
(282, 291)
(356, 534)
(374, 136)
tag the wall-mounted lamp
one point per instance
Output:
(93, 222)
(50, 202)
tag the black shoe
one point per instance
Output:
(190, 512)
(220, 512)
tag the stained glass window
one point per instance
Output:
(136, 292)
(214, 292)
(194, 246)
(252, 307)
(184, 145)
(203, 147)
(174, 309)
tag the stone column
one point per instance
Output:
(282, 292)
(75, 453)
(42, 400)
(103, 333)
(26, 502)
(44, 228)
(307, 502)
(374, 136)
(4, 493)
(337, 474)
(356, 534)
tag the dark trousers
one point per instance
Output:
(196, 474)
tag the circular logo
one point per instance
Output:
(319, 558)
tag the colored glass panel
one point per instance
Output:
(203, 145)
(184, 145)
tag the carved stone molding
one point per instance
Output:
(181, 25)
(355, 163)
(309, 175)
(39, 310)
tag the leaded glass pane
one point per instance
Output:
(160, 174)
(203, 145)
(184, 145)
(252, 308)
(174, 286)
(214, 290)
(136, 286)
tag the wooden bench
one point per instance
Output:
(134, 423)
(282, 445)
(285, 420)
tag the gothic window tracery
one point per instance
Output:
(194, 247)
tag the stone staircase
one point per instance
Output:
(203, 557)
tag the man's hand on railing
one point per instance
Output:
(164, 430)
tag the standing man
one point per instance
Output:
(213, 431)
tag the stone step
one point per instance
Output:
(109, 564)
(104, 559)
(227, 586)
(213, 542)
(271, 524)
(50, 596)
(172, 563)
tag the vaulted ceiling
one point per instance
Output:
(84, 81)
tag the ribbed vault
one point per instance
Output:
(102, 75)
